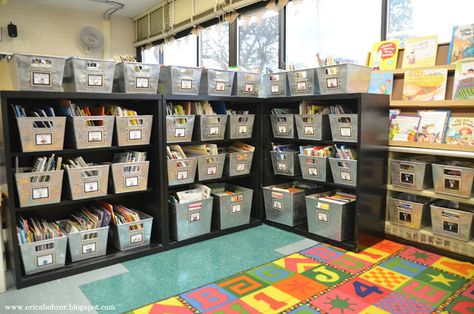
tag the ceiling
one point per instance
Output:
(132, 7)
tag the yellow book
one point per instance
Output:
(420, 52)
(384, 55)
(425, 85)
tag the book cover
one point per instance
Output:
(462, 43)
(381, 83)
(460, 131)
(420, 52)
(432, 125)
(384, 55)
(404, 128)
(464, 80)
(425, 85)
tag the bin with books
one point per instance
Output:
(217, 82)
(178, 80)
(275, 84)
(86, 180)
(453, 178)
(89, 75)
(232, 205)
(130, 127)
(179, 122)
(247, 84)
(191, 212)
(87, 232)
(314, 162)
(344, 166)
(283, 122)
(130, 172)
(312, 122)
(239, 124)
(181, 168)
(344, 125)
(41, 184)
(343, 78)
(211, 120)
(285, 160)
(39, 129)
(303, 82)
(136, 77)
(409, 210)
(412, 172)
(285, 203)
(331, 215)
(210, 161)
(129, 228)
(42, 245)
(452, 219)
(239, 159)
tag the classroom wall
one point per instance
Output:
(54, 31)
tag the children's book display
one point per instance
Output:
(464, 80)
(462, 43)
(404, 128)
(425, 85)
(384, 55)
(460, 131)
(420, 52)
(381, 83)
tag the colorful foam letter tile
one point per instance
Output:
(235, 307)
(403, 266)
(350, 264)
(384, 277)
(419, 256)
(326, 275)
(424, 292)
(296, 263)
(270, 273)
(241, 285)
(171, 306)
(322, 253)
(464, 269)
(208, 298)
(440, 279)
(300, 287)
(396, 303)
(270, 300)
(339, 302)
(365, 290)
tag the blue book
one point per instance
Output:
(381, 83)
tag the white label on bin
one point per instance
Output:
(407, 178)
(345, 175)
(186, 84)
(136, 238)
(242, 129)
(44, 260)
(275, 88)
(345, 131)
(323, 216)
(313, 171)
(236, 208)
(211, 171)
(44, 139)
(404, 216)
(249, 87)
(240, 167)
(220, 86)
(39, 193)
(450, 226)
(95, 80)
(180, 132)
(194, 217)
(92, 186)
(281, 166)
(308, 130)
(89, 248)
(134, 135)
(94, 136)
(452, 184)
(277, 195)
(301, 86)
(277, 205)
(214, 130)
(282, 128)
(142, 82)
(332, 82)
(323, 205)
(182, 175)
(131, 181)
(40, 78)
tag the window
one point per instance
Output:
(258, 40)
(214, 46)
(410, 18)
(182, 51)
(343, 29)
(151, 54)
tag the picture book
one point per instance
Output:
(384, 55)
(432, 125)
(420, 52)
(462, 43)
(460, 131)
(464, 80)
(381, 83)
(404, 128)
(393, 113)
(425, 85)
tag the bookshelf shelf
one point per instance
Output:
(328, 184)
(433, 146)
(70, 151)
(450, 67)
(223, 179)
(431, 194)
(430, 151)
(455, 104)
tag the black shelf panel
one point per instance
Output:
(310, 142)
(328, 184)
(72, 202)
(211, 98)
(224, 141)
(319, 98)
(80, 151)
(73, 95)
(223, 179)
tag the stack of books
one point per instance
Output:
(93, 217)
(122, 112)
(338, 197)
(42, 164)
(33, 229)
(240, 148)
(72, 110)
(317, 151)
(121, 214)
(37, 112)
(202, 150)
(285, 148)
(198, 193)
(345, 153)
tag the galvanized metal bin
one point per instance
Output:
(211, 127)
(133, 130)
(240, 126)
(452, 179)
(136, 77)
(189, 220)
(231, 210)
(132, 234)
(285, 207)
(343, 78)
(211, 167)
(285, 163)
(343, 171)
(328, 219)
(36, 259)
(413, 173)
(88, 182)
(344, 127)
(176, 80)
(179, 128)
(217, 82)
(452, 220)
(89, 75)
(41, 133)
(130, 176)
(181, 171)
(312, 126)
(275, 84)
(238, 164)
(303, 82)
(247, 84)
(314, 168)
(45, 190)
(88, 243)
(283, 125)
(92, 136)
(37, 72)
(409, 210)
